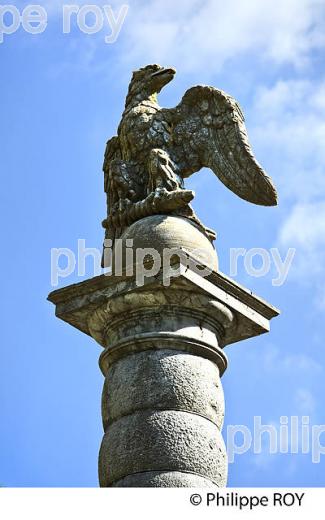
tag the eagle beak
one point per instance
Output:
(164, 72)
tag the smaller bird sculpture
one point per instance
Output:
(157, 148)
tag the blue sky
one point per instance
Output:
(61, 99)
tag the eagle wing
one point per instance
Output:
(208, 130)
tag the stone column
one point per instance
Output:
(162, 402)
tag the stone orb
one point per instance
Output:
(163, 232)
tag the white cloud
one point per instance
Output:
(205, 34)
(201, 36)
(305, 401)
(276, 361)
(290, 132)
(304, 229)
(320, 301)
(196, 34)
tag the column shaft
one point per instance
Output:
(163, 404)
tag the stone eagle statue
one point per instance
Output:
(157, 148)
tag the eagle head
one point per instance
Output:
(148, 81)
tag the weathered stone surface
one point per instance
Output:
(162, 440)
(165, 235)
(162, 479)
(155, 149)
(163, 380)
(91, 305)
(162, 400)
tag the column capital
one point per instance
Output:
(90, 305)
